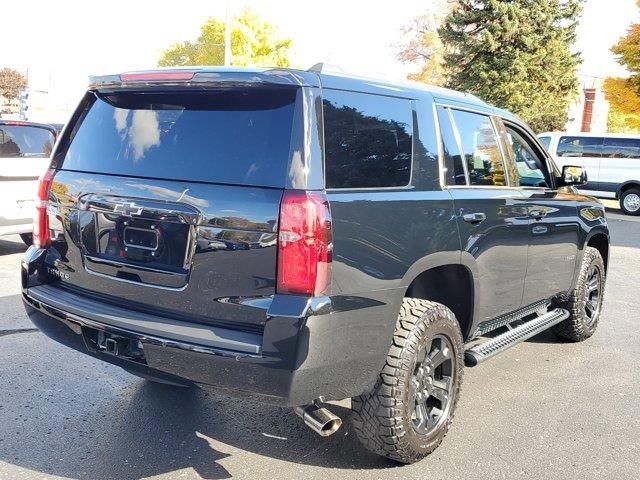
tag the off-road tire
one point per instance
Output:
(578, 327)
(382, 417)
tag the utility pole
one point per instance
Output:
(227, 38)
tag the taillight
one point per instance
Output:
(41, 233)
(305, 244)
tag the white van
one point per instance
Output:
(25, 148)
(611, 160)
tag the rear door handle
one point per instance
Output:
(474, 217)
(537, 214)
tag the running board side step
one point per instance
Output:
(502, 342)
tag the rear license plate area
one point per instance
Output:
(151, 252)
(141, 238)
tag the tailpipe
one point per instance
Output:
(319, 419)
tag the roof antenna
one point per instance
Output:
(323, 67)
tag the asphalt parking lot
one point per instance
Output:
(542, 410)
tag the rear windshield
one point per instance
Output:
(25, 141)
(240, 137)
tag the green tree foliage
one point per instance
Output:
(517, 55)
(254, 42)
(624, 103)
(11, 83)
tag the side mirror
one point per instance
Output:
(573, 176)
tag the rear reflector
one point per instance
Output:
(305, 244)
(41, 232)
(156, 76)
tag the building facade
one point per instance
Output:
(590, 111)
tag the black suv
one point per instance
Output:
(302, 237)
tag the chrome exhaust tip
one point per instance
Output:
(319, 419)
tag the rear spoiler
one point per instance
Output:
(208, 77)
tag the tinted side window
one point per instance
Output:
(546, 141)
(580, 147)
(480, 149)
(530, 167)
(367, 140)
(25, 141)
(454, 174)
(622, 147)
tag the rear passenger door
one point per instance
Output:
(491, 215)
(553, 228)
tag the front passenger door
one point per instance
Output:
(553, 229)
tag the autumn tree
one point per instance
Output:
(627, 51)
(624, 103)
(517, 55)
(11, 83)
(623, 94)
(254, 42)
(423, 47)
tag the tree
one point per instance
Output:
(624, 103)
(254, 42)
(11, 83)
(424, 47)
(517, 55)
(628, 52)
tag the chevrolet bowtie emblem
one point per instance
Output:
(127, 209)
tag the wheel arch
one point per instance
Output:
(600, 241)
(626, 186)
(448, 282)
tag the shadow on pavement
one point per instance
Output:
(10, 246)
(160, 429)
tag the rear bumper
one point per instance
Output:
(8, 228)
(330, 347)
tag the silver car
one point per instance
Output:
(25, 148)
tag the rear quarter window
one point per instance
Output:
(622, 147)
(368, 140)
(240, 137)
(22, 141)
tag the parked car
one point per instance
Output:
(611, 160)
(406, 230)
(24, 155)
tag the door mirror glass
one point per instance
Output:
(573, 175)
